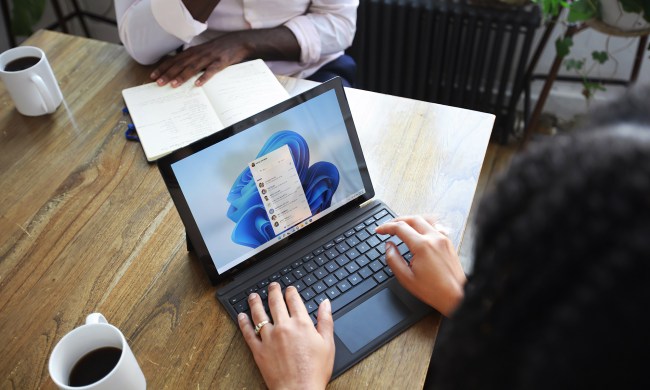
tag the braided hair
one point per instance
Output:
(560, 293)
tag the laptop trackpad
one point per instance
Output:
(370, 319)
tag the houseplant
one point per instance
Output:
(613, 17)
(25, 14)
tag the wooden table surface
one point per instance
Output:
(86, 224)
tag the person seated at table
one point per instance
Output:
(559, 294)
(297, 38)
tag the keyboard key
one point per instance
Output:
(275, 277)
(288, 279)
(388, 271)
(353, 294)
(264, 293)
(380, 214)
(342, 260)
(307, 257)
(331, 253)
(342, 247)
(333, 292)
(376, 266)
(383, 220)
(307, 294)
(286, 270)
(237, 298)
(369, 221)
(363, 235)
(372, 254)
(296, 264)
(263, 283)
(299, 285)
(339, 239)
(373, 241)
(344, 285)
(402, 248)
(299, 273)
(408, 257)
(321, 272)
(371, 229)
(331, 266)
(382, 258)
(311, 306)
(362, 260)
(318, 251)
(380, 276)
(365, 272)
(319, 287)
(241, 306)
(355, 279)
(352, 241)
(309, 279)
(360, 227)
(329, 245)
(310, 266)
(363, 247)
(352, 254)
(341, 273)
(350, 233)
(320, 298)
(321, 260)
(330, 280)
(251, 290)
(352, 267)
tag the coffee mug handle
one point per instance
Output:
(96, 318)
(46, 95)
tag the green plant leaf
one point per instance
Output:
(563, 45)
(589, 89)
(25, 14)
(573, 64)
(600, 56)
(581, 10)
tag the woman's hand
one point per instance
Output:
(434, 275)
(290, 352)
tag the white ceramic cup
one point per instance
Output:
(96, 333)
(34, 90)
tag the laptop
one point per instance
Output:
(286, 196)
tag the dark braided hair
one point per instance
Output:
(560, 293)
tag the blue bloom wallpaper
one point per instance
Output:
(216, 181)
(319, 182)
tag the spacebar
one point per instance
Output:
(353, 294)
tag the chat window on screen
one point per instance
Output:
(278, 184)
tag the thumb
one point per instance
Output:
(325, 324)
(400, 267)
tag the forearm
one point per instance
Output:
(149, 29)
(270, 44)
(328, 27)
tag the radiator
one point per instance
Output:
(448, 52)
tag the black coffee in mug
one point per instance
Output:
(21, 63)
(94, 365)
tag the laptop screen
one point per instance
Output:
(269, 177)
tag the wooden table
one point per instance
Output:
(87, 225)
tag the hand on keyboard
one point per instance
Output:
(434, 273)
(290, 352)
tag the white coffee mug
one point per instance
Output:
(34, 89)
(96, 333)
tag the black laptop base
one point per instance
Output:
(346, 264)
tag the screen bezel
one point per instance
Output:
(194, 237)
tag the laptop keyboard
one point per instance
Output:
(347, 265)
